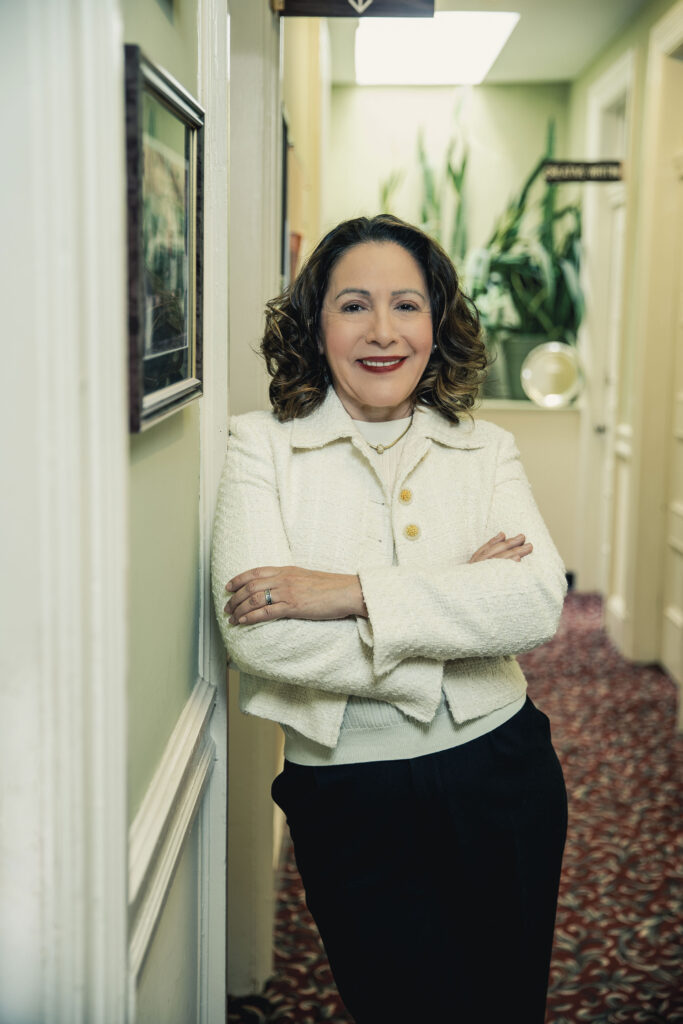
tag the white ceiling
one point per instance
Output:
(554, 39)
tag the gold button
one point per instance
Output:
(412, 531)
(406, 496)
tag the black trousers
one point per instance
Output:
(433, 880)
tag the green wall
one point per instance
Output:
(163, 596)
(167, 986)
(163, 589)
(374, 133)
(167, 32)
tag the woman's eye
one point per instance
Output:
(407, 307)
(351, 307)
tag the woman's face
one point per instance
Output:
(376, 330)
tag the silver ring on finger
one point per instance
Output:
(268, 596)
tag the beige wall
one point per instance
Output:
(548, 442)
(305, 100)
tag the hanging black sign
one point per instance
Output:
(583, 170)
(354, 8)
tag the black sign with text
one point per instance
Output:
(354, 8)
(583, 170)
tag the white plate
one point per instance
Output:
(551, 375)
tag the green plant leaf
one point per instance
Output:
(573, 286)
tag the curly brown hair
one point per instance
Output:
(291, 349)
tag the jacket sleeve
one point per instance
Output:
(484, 609)
(325, 655)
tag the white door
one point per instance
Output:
(652, 564)
(613, 217)
(672, 606)
(605, 431)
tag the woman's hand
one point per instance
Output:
(294, 594)
(500, 547)
(308, 594)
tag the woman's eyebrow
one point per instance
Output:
(364, 291)
(352, 291)
(409, 291)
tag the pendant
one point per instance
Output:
(379, 449)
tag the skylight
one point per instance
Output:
(452, 48)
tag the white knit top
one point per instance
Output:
(375, 730)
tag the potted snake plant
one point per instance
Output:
(525, 281)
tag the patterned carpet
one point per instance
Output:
(618, 955)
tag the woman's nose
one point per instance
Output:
(382, 328)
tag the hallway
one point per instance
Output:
(138, 839)
(618, 935)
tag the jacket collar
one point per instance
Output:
(331, 422)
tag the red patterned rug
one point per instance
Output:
(618, 955)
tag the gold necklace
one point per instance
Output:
(381, 448)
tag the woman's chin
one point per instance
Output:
(381, 402)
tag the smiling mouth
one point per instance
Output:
(382, 364)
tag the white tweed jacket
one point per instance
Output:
(304, 493)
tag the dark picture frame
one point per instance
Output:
(164, 156)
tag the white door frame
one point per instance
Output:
(652, 376)
(213, 88)
(598, 437)
(255, 172)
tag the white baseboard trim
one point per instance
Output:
(163, 822)
(616, 620)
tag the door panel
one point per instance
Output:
(672, 615)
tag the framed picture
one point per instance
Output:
(164, 149)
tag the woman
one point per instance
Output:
(378, 561)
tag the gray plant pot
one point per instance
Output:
(516, 348)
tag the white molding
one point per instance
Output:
(104, 450)
(213, 92)
(616, 193)
(213, 95)
(617, 620)
(623, 442)
(522, 406)
(66, 876)
(675, 616)
(255, 162)
(256, 155)
(162, 823)
(667, 34)
(607, 90)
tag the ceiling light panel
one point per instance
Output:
(452, 48)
